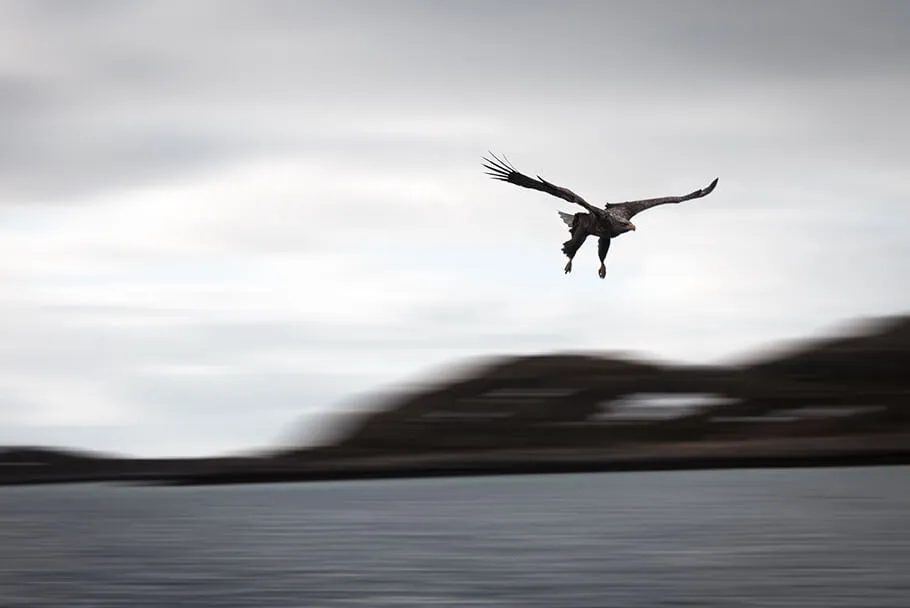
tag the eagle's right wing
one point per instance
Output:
(502, 170)
(632, 208)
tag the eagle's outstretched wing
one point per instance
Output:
(504, 171)
(632, 208)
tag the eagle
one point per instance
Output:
(606, 224)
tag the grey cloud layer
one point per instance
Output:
(117, 93)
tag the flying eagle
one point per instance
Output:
(606, 223)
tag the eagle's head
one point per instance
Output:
(622, 226)
(618, 222)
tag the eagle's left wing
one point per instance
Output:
(502, 170)
(632, 208)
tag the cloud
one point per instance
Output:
(220, 220)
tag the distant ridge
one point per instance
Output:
(842, 399)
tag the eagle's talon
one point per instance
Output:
(603, 271)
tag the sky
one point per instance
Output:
(221, 221)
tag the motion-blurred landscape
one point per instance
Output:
(829, 401)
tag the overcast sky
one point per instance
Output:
(219, 218)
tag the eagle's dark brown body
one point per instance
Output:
(606, 224)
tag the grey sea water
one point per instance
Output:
(823, 538)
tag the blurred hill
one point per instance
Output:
(845, 385)
(839, 400)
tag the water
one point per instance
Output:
(815, 537)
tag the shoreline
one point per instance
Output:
(756, 454)
(546, 467)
